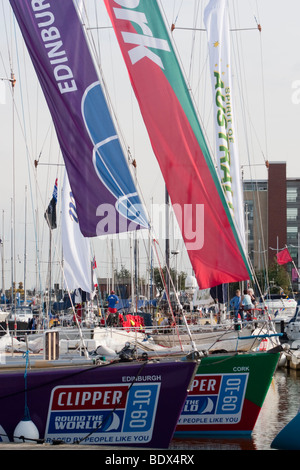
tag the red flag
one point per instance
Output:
(284, 257)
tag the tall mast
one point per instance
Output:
(25, 245)
(2, 256)
(167, 200)
(13, 206)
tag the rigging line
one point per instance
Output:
(92, 46)
(26, 147)
(263, 93)
(173, 14)
(23, 130)
(195, 17)
(263, 84)
(37, 162)
(243, 107)
(90, 28)
(95, 53)
(166, 290)
(98, 36)
(232, 29)
(257, 192)
(241, 69)
(251, 125)
(246, 109)
(74, 373)
(188, 86)
(26, 93)
(7, 41)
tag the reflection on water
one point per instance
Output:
(281, 405)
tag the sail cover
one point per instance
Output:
(178, 143)
(100, 179)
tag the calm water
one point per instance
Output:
(281, 405)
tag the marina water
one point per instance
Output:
(281, 405)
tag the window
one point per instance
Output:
(291, 194)
(249, 209)
(293, 252)
(292, 213)
(292, 233)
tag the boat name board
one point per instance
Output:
(103, 414)
(215, 399)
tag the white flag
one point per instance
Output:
(76, 248)
(217, 26)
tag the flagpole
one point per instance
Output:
(292, 261)
(50, 271)
(296, 269)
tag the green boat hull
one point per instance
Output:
(227, 394)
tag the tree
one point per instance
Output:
(122, 274)
(278, 279)
(173, 273)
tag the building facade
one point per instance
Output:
(272, 211)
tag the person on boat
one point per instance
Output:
(165, 323)
(112, 317)
(78, 313)
(113, 300)
(253, 298)
(235, 304)
(246, 302)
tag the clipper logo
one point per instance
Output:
(103, 414)
(142, 41)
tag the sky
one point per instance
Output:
(266, 82)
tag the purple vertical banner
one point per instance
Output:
(294, 275)
(100, 179)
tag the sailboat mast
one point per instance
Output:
(167, 246)
(25, 245)
(12, 252)
(132, 271)
(2, 255)
(50, 270)
(13, 208)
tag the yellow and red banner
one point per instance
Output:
(217, 26)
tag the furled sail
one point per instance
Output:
(217, 26)
(76, 247)
(100, 179)
(178, 142)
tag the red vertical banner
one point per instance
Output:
(178, 143)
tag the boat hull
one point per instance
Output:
(227, 394)
(288, 437)
(123, 404)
